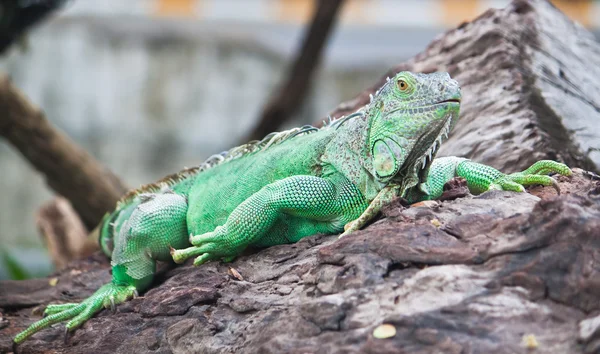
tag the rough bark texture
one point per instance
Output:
(69, 170)
(499, 273)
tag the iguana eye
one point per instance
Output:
(402, 85)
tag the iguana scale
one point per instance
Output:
(290, 185)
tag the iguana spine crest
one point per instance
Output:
(251, 147)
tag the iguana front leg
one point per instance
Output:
(385, 196)
(481, 178)
(326, 203)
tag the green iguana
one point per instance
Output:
(290, 185)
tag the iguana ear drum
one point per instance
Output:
(383, 160)
(388, 156)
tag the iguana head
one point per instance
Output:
(407, 118)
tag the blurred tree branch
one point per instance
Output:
(17, 16)
(63, 232)
(69, 170)
(292, 92)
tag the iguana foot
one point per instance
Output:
(206, 247)
(538, 174)
(481, 178)
(107, 296)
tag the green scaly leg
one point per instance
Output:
(107, 296)
(385, 196)
(481, 178)
(325, 204)
(142, 239)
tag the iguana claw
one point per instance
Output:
(66, 336)
(555, 186)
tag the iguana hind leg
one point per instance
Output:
(79, 313)
(330, 201)
(158, 222)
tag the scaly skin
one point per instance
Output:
(291, 185)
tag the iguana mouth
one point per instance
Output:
(453, 100)
(450, 100)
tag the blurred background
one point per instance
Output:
(150, 86)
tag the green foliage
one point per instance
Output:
(15, 270)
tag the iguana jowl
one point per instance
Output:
(290, 185)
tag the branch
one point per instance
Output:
(70, 171)
(287, 100)
(16, 17)
(63, 232)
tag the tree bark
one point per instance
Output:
(286, 100)
(69, 170)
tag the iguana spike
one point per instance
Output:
(307, 129)
(338, 123)
(145, 197)
(253, 146)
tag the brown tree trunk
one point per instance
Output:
(69, 170)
